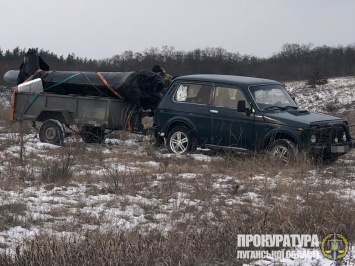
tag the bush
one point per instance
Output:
(317, 78)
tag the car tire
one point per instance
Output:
(92, 134)
(282, 150)
(329, 158)
(51, 132)
(180, 140)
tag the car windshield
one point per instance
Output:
(272, 96)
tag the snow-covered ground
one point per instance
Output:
(338, 95)
(128, 184)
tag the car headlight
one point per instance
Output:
(313, 138)
(344, 137)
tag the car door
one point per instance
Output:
(231, 128)
(191, 101)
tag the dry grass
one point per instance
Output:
(120, 248)
(301, 198)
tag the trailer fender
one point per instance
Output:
(63, 116)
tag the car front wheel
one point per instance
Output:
(282, 151)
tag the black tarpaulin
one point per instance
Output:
(143, 88)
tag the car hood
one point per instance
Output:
(298, 118)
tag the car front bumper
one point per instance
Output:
(334, 148)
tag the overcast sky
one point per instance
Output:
(101, 29)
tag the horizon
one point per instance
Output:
(159, 50)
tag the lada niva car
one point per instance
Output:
(245, 114)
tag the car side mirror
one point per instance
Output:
(241, 106)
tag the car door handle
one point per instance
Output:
(214, 111)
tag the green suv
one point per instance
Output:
(246, 115)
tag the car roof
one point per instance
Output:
(238, 80)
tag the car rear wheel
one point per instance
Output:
(180, 140)
(282, 151)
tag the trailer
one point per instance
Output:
(90, 116)
(93, 102)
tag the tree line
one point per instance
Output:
(293, 62)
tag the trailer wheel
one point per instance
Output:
(51, 132)
(92, 134)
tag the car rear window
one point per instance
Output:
(193, 93)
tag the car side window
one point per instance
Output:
(229, 97)
(193, 93)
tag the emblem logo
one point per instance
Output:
(335, 246)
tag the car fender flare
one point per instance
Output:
(283, 133)
(177, 120)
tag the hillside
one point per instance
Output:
(165, 208)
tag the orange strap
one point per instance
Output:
(108, 85)
(34, 74)
(12, 114)
(129, 126)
